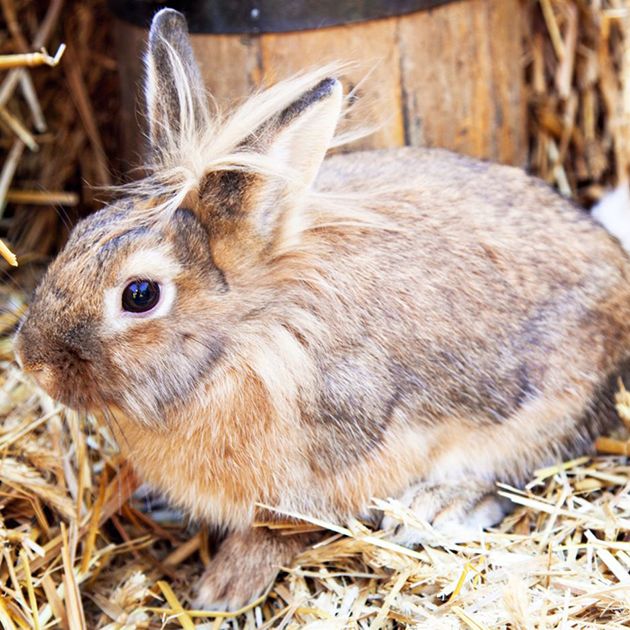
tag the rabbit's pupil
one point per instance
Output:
(140, 296)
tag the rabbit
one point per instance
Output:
(268, 328)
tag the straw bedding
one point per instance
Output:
(84, 546)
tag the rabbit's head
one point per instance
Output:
(149, 294)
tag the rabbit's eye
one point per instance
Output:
(140, 296)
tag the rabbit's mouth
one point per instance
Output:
(68, 389)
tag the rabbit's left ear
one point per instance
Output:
(252, 213)
(174, 92)
(302, 134)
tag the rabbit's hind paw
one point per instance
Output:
(453, 511)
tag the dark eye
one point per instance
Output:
(140, 296)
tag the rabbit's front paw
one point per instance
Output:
(457, 510)
(244, 566)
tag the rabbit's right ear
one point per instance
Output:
(174, 92)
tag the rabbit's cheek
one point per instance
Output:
(159, 383)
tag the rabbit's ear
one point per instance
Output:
(174, 92)
(301, 135)
(256, 211)
(292, 146)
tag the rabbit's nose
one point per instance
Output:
(79, 341)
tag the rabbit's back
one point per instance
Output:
(475, 240)
(495, 293)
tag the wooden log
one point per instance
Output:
(462, 79)
(230, 65)
(374, 45)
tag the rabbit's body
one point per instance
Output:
(474, 340)
(268, 329)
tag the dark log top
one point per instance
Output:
(268, 16)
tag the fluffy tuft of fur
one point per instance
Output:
(613, 212)
(227, 141)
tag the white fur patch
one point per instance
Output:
(148, 264)
(613, 212)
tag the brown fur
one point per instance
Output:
(415, 316)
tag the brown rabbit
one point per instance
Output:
(269, 327)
